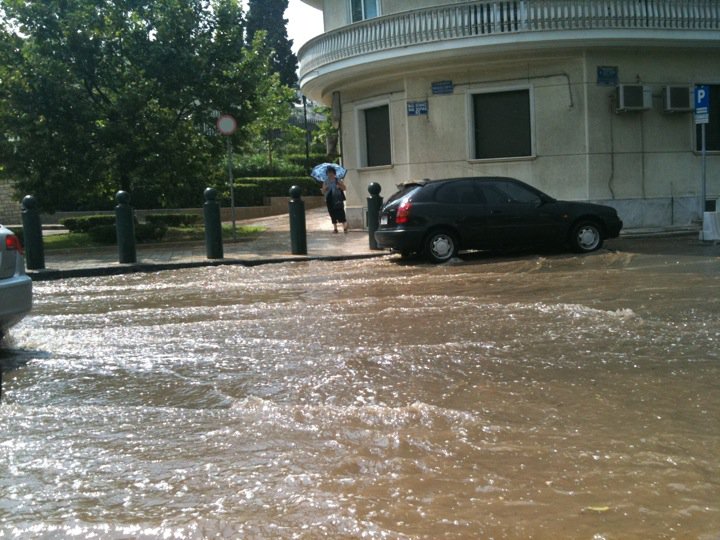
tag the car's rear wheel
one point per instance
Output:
(440, 246)
(586, 237)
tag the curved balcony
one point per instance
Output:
(486, 21)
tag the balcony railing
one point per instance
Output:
(488, 18)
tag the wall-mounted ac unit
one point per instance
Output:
(677, 99)
(633, 97)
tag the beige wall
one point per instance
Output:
(583, 149)
(9, 204)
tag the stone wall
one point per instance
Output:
(9, 205)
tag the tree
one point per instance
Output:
(273, 125)
(268, 16)
(100, 95)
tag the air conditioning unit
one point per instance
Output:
(677, 99)
(633, 97)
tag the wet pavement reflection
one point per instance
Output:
(521, 396)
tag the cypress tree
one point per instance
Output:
(268, 15)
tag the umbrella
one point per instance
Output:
(319, 172)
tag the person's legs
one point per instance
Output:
(331, 212)
(341, 218)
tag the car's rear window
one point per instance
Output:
(404, 191)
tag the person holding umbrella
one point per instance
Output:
(333, 188)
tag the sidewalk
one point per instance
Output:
(270, 246)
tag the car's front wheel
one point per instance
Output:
(586, 237)
(440, 246)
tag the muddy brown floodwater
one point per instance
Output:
(527, 396)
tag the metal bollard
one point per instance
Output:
(374, 204)
(32, 234)
(298, 233)
(125, 228)
(213, 225)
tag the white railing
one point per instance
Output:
(486, 17)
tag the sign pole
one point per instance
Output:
(227, 125)
(232, 188)
(704, 168)
(702, 117)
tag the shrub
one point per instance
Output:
(85, 223)
(253, 191)
(150, 232)
(103, 234)
(144, 232)
(174, 220)
(249, 194)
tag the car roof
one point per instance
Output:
(427, 181)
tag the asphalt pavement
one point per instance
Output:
(273, 245)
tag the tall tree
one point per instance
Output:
(269, 15)
(100, 95)
(273, 125)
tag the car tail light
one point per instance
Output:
(12, 243)
(403, 213)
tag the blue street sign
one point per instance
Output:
(417, 108)
(702, 104)
(702, 97)
(442, 87)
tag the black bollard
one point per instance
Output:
(32, 234)
(213, 225)
(374, 204)
(125, 228)
(298, 233)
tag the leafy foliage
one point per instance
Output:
(268, 16)
(272, 126)
(101, 95)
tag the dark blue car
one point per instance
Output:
(438, 218)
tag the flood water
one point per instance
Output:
(548, 396)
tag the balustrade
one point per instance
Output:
(485, 17)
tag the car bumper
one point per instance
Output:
(613, 228)
(16, 294)
(403, 240)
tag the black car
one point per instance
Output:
(440, 217)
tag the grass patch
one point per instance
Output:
(174, 234)
(192, 234)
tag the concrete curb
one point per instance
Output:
(121, 269)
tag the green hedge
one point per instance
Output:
(288, 165)
(101, 228)
(253, 191)
(85, 223)
(144, 232)
(174, 220)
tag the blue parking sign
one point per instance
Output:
(702, 104)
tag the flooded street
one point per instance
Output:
(549, 396)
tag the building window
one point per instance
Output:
(712, 129)
(502, 124)
(364, 9)
(374, 125)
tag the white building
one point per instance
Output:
(585, 99)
